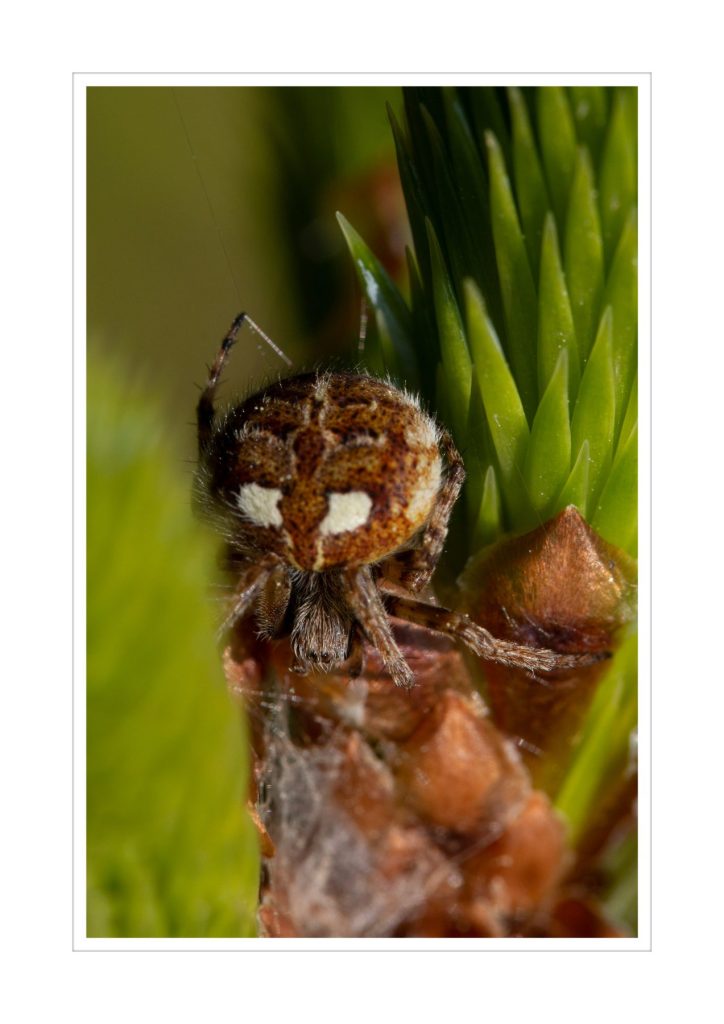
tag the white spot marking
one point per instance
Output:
(260, 504)
(346, 512)
(423, 496)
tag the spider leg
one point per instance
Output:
(480, 641)
(246, 591)
(417, 565)
(355, 664)
(364, 601)
(273, 601)
(205, 407)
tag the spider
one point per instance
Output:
(334, 492)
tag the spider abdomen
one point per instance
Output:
(325, 470)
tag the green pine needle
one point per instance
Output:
(549, 452)
(490, 513)
(583, 254)
(516, 280)
(453, 346)
(575, 489)
(382, 295)
(618, 169)
(593, 416)
(615, 516)
(504, 411)
(557, 134)
(622, 297)
(556, 331)
(530, 186)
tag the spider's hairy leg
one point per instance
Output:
(355, 664)
(273, 601)
(480, 641)
(205, 407)
(246, 591)
(416, 566)
(364, 600)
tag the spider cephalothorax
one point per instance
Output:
(334, 492)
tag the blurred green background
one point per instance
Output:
(201, 202)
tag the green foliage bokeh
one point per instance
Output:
(170, 849)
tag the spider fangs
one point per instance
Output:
(334, 492)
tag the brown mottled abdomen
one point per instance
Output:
(331, 469)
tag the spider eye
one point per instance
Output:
(260, 504)
(346, 512)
